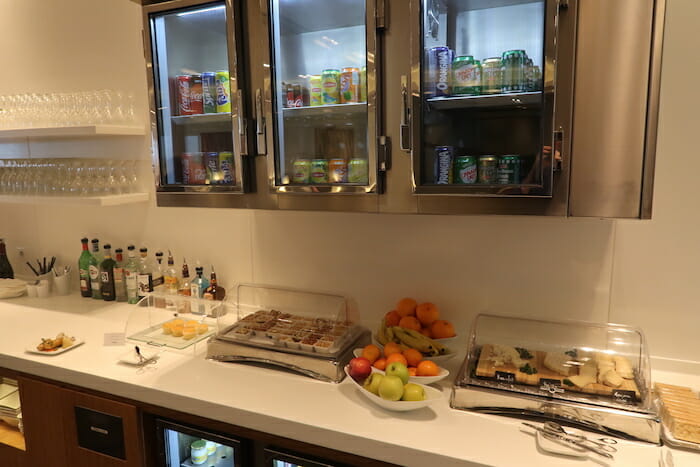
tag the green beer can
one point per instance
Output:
(509, 170)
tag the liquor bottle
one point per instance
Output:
(145, 274)
(84, 268)
(6, 271)
(107, 275)
(199, 283)
(158, 276)
(170, 278)
(214, 291)
(131, 273)
(184, 288)
(94, 269)
(119, 276)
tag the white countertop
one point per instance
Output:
(281, 403)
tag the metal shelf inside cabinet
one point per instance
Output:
(491, 101)
(108, 200)
(74, 131)
(11, 436)
(325, 110)
(482, 190)
(202, 118)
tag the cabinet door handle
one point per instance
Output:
(242, 124)
(260, 122)
(405, 129)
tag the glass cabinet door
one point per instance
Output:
(195, 93)
(323, 80)
(486, 90)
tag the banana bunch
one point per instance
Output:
(409, 338)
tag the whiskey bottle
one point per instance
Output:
(214, 291)
(145, 274)
(6, 271)
(184, 288)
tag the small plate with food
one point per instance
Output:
(57, 345)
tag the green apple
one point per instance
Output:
(398, 369)
(391, 388)
(372, 383)
(413, 392)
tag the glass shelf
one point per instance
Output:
(325, 110)
(109, 200)
(72, 131)
(202, 118)
(492, 101)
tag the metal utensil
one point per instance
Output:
(565, 438)
(603, 443)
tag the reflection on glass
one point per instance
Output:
(320, 76)
(482, 87)
(193, 92)
(185, 450)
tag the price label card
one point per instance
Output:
(114, 339)
(505, 377)
(624, 397)
(552, 386)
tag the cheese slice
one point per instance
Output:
(558, 362)
(612, 379)
(582, 381)
(623, 367)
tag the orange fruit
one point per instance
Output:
(406, 307)
(396, 357)
(413, 356)
(371, 352)
(426, 332)
(391, 348)
(410, 322)
(380, 364)
(427, 313)
(427, 368)
(392, 318)
(442, 329)
(412, 371)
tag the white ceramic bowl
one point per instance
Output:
(432, 395)
(414, 379)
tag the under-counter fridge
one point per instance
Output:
(183, 446)
(196, 82)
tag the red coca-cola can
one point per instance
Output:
(290, 96)
(186, 168)
(184, 99)
(196, 95)
(298, 96)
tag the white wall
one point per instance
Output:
(556, 268)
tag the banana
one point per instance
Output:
(381, 334)
(422, 344)
(390, 336)
(442, 350)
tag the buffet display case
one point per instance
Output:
(595, 376)
(301, 331)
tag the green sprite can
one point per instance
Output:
(358, 171)
(319, 171)
(488, 170)
(509, 170)
(465, 170)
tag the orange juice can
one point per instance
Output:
(350, 86)
(338, 171)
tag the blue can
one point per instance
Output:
(443, 164)
(209, 92)
(439, 71)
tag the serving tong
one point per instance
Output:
(554, 431)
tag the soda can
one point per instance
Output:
(491, 76)
(198, 173)
(209, 92)
(226, 167)
(443, 164)
(338, 170)
(330, 84)
(211, 160)
(350, 86)
(439, 71)
(488, 170)
(223, 92)
(298, 95)
(196, 102)
(184, 86)
(319, 171)
(358, 171)
(363, 84)
(465, 170)
(466, 76)
(302, 171)
(509, 170)
(316, 95)
(186, 168)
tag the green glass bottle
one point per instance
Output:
(84, 268)
(94, 269)
(131, 272)
(107, 275)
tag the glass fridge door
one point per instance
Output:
(275, 458)
(323, 96)
(196, 97)
(486, 87)
(183, 446)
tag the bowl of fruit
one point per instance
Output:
(392, 390)
(418, 326)
(420, 369)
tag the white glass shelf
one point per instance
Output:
(109, 200)
(72, 131)
(521, 99)
(202, 118)
(325, 110)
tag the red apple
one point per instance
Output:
(360, 368)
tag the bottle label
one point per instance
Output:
(118, 274)
(157, 282)
(131, 280)
(145, 284)
(95, 277)
(194, 288)
(104, 277)
(171, 282)
(84, 280)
